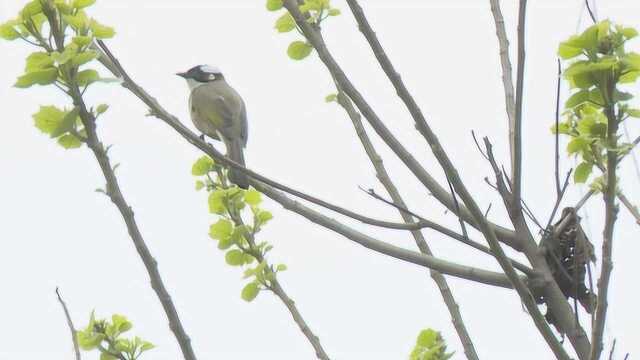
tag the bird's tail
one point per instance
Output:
(235, 152)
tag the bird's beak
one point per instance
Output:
(182, 74)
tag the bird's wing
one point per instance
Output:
(244, 125)
(218, 106)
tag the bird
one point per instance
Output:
(218, 111)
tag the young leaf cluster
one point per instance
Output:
(63, 34)
(600, 64)
(430, 346)
(230, 203)
(315, 11)
(106, 337)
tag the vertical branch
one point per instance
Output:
(557, 134)
(507, 76)
(392, 190)
(517, 143)
(611, 212)
(74, 338)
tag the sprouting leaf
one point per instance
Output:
(582, 172)
(281, 267)
(48, 119)
(334, 12)
(38, 61)
(84, 57)
(40, 77)
(252, 197)
(81, 40)
(199, 185)
(67, 123)
(331, 97)
(250, 291)
(78, 22)
(221, 230)
(8, 31)
(216, 202)
(629, 77)
(32, 8)
(69, 141)
(202, 166)
(264, 216)
(274, 5)
(633, 113)
(577, 99)
(285, 23)
(427, 338)
(628, 32)
(299, 50)
(577, 144)
(86, 77)
(102, 108)
(101, 31)
(234, 257)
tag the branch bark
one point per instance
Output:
(517, 143)
(114, 193)
(392, 190)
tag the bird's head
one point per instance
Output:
(201, 74)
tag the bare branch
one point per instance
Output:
(507, 76)
(443, 266)
(633, 210)
(74, 338)
(517, 158)
(408, 216)
(452, 234)
(381, 129)
(557, 133)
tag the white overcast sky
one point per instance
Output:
(56, 231)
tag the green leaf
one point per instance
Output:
(299, 50)
(48, 119)
(216, 202)
(107, 356)
(78, 21)
(582, 172)
(67, 123)
(101, 31)
(252, 197)
(121, 323)
(234, 257)
(40, 77)
(427, 338)
(84, 57)
(274, 5)
(32, 8)
(264, 216)
(285, 23)
(38, 61)
(102, 108)
(281, 267)
(577, 99)
(82, 40)
(334, 12)
(146, 346)
(577, 144)
(69, 141)
(202, 166)
(628, 32)
(87, 77)
(8, 32)
(221, 230)
(199, 185)
(80, 4)
(621, 96)
(250, 291)
(331, 97)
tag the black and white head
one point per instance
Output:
(201, 74)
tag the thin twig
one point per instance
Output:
(517, 168)
(613, 349)
(446, 231)
(559, 199)
(74, 338)
(591, 14)
(557, 133)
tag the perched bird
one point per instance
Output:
(218, 111)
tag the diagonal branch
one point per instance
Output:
(114, 193)
(268, 187)
(443, 266)
(385, 180)
(74, 338)
(315, 38)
